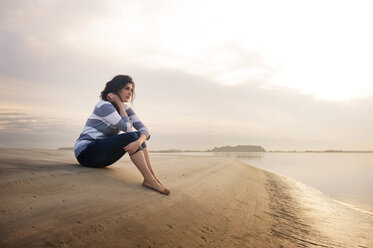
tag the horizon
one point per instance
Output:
(207, 74)
(330, 150)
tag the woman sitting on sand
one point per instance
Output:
(100, 143)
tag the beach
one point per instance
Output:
(48, 200)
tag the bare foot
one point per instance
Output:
(154, 185)
(158, 181)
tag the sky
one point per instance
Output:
(285, 75)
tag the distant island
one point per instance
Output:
(239, 148)
(321, 151)
(345, 151)
(66, 148)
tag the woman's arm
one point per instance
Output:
(108, 112)
(137, 124)
(114, 98)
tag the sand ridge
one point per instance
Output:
(47, 200)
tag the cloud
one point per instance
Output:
(202, 110)
(230, 63)
(19, 129)
(33, 45)
(13, 122)
(52, 75)
(187, 111)
(40, 43)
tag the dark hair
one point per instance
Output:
(117, 83)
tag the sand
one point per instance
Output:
(48, 200)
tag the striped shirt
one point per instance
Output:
(104, 122)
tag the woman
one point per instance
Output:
(100, 143)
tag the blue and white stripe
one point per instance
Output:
(104, 122)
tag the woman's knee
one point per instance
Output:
(130, 137)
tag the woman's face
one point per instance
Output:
(126, 93)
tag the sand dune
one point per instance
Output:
(47, 200)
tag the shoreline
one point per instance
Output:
(354, 207)
(358, 203)
(48, 200)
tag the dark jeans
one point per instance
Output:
(104, 152)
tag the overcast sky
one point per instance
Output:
(289, 75)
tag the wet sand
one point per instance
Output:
(47, 200)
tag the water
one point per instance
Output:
(347, 177)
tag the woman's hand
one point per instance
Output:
(132, 147)
(112, 97)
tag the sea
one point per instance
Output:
(345, 177)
